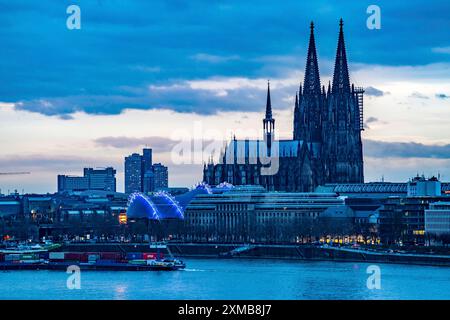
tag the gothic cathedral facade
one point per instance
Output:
(326, 145)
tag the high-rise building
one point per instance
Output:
(92, 179)
(160, 176)
(326, 145)
(141, 175)
(133, 173)
(147, 179)
(148, 182)
(147, 159)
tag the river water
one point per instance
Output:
(236, 279)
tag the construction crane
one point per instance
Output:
(12, 173)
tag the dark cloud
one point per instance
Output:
(158, 144)
(418, 95)
(442, 96)
(35, 163)
(180, 97)
(65, 117)
(382, 149)
(371, 91)
(370, 120)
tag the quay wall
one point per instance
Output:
(294, 252)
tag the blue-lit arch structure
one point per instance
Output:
(141, 207)
(162, 205)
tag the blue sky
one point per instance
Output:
(208, 61)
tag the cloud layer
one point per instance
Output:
(381, 149)
(126, 47)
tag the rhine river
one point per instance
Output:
(236, 279)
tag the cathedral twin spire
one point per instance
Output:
(341, 79)
(309, 112)
(311, 96)
(324, 120)
(312, 78)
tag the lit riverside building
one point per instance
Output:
(251, 214)
(437, 219)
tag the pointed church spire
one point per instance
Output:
(268, 122)
(312, 79)
(341, 81)
(296, 102)
(300, 94)
(268, 103)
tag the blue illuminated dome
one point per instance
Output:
(162, 205)
(141, 207)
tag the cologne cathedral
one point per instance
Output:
(326, 146)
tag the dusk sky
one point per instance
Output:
(143, 73)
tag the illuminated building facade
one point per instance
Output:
(251, 214)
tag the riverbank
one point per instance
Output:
(265, 251)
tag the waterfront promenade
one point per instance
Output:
(266, 251)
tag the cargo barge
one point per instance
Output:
(105, 261)
(153, 266)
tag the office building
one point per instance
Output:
(160, 177)
(10, 206)
(133, 173)
(92, 179)
(437, 219)
(422, 187)
(141, 175)
(72, 183)
(250, 214)
(147, 160)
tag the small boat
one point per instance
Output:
(166, 264)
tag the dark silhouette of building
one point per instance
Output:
(92, 179)
(326, 145)
(160, 177)
(134, 173)
(141, 175)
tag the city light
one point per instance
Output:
(123, 218)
